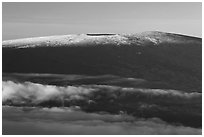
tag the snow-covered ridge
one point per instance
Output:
(66, 40)
(97, 39)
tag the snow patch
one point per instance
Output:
(153, 40)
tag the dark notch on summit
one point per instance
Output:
(100, 34)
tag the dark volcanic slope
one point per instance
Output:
(174, 60)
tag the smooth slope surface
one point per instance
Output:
(171, 59)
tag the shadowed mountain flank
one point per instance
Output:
(170, 59)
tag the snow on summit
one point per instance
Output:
(153, 37)
(66, 40)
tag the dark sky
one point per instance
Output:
(21, 20)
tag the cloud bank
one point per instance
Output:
(72, 121)
(36, 93)
(171, 106)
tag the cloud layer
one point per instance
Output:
(22, 120)
(36, 93)
(172, 106)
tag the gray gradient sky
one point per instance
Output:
(21, 20)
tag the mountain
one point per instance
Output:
(173, 60)
(150, 37)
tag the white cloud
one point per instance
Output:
(37, 93)
(27, 92)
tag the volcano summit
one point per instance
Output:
(146, 80)
(171, 59)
